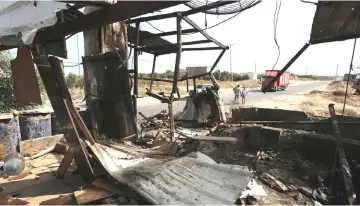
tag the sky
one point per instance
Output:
(252, 35)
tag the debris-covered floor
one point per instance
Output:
(217, 163)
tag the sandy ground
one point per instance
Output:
(315, 102)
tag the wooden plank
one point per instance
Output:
(65, 163)
(53, 187)
(68, 199)
(212, 138)
(8, 200)
(91, 194)
(27, 182)
(47, 160)
(33, 146)
(273, 182)
(100, 183)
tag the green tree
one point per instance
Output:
(71, 80)
(7, 92)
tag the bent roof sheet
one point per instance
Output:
(22, 22)
(335, 21)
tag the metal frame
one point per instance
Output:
(177, 48)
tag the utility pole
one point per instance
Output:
(255, 67)
(231, 62)
(78, 52)
(337, 67)
(306, 72)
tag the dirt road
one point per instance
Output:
(254, 95)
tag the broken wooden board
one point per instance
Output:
(100, 183)
(273, 182)
(231, 140)
(68, 199)
(169, 148)
(8, 200)
(33, 146)
(91, 194)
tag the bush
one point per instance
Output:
(74, 81)
(7, 91)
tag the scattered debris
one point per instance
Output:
(273, 182)
(91, 194)
(254, 190)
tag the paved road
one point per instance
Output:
(253, 95)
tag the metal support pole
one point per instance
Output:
(231, 62)
(194, 84)
(292, 60)
(136, 69)
(187, 81)
(343, 163)
(153, 72)
(176, 73)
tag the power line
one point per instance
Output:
(213, 26)
(275, 21)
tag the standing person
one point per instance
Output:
(237, 92)
(244, 92)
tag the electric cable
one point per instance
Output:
(275, 21)
(344, 105)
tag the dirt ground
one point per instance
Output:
(315, 102)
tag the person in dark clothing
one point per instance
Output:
(237, 91)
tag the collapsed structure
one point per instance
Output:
(117, 165)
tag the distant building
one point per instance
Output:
(352, 77)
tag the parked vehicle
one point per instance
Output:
(201, 87)
(356, 84)
(281, 84)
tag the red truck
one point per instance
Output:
(281, 83)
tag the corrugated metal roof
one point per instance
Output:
(21, 19)
(194, 179)
(335, 21)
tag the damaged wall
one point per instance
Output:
(108, 85)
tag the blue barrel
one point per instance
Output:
(33, 127)
(9, 137)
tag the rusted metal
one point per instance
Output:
(206, 35)
(202, 48)
(218, 59)
(25, 82)
(116, 12)
(55, 86)
(185, 13)
(176, 73)
(56, 47)
(110, 98)
(335, 21)
(153, 73)
(170, 33)
(187, 81)
(172, 48)
(343, 163)
(162, 99)
(194, 84)
(65, 163)
(292, 122)
(136, 68)
(292, 60)
(156, 79)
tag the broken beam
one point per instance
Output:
(291, 122)
(344, 165)
(117, 12)
(292, 60)
(206, 35)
